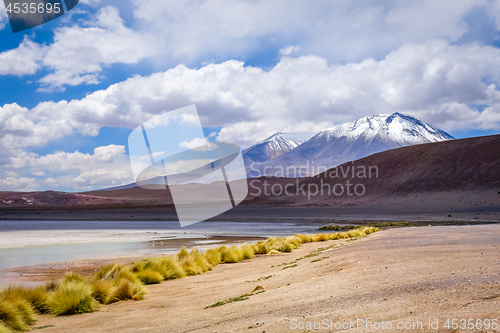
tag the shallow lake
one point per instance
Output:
(28, 243)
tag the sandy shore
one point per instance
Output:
(398, 276)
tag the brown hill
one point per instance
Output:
(443, 177)
(459, 166)
(52, 199)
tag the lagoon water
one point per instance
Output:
(28, 243)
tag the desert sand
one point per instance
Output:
(399, 276)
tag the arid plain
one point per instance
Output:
(406, 275)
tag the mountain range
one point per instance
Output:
(336, 145)
(454, 179)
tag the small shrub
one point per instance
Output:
(172, 269)
(71, 298)
(303, 238)
(36, 296)
(127, 290)
(334, 236)
(182, 253)
(213, 256)
(247, 251)
(260, 248)
(151, 264)
(138, 266)
(190, 267)
(321, 237)
(16, 313)
(259, 287)
(273, 252)
(284, 246)
(294, 241)
(73, 277)
(102, 290)
(343, 235)
(201, 261)
(116, 272)
(230, 255)
(50, 286)
(353, 233)
(150, 277)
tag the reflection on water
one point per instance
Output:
(67, 241)
(34, 255)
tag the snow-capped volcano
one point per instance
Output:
(396, 130)
(351, 141)
(274, 146)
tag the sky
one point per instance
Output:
(73, 89)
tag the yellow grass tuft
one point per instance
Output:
(71, 298)
(102, 290)
(247, 251)
(230, 255)
(16, 313)
(260, 248)
(283, 246)
(321, 237)
(35, 296)
(116, 272)
(50, 286)
(127, 290)
(171, 269)
(73, 277)
(213, 256)
(304, 238)
(150, 277)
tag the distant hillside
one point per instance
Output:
(459, 166)
(460, 173)
(53, 199)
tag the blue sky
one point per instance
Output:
(73, 89)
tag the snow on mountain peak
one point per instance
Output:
(397, 128)
(276, 145)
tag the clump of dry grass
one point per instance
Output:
(116, 272)
(303, 238)
(171, 269)
(50, 286)
(16, 313)
(260, 248)
(35, 296)
(126, 290)
(193, 263)
(231, 254)
(150, 277)
(213, 256)
(247, 251)
(102, 290)
(294, 241)
(283, 246)
(73, 277)
(70, 298)
(321, 237)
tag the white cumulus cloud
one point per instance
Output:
(24, 60)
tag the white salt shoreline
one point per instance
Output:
(20, 239)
